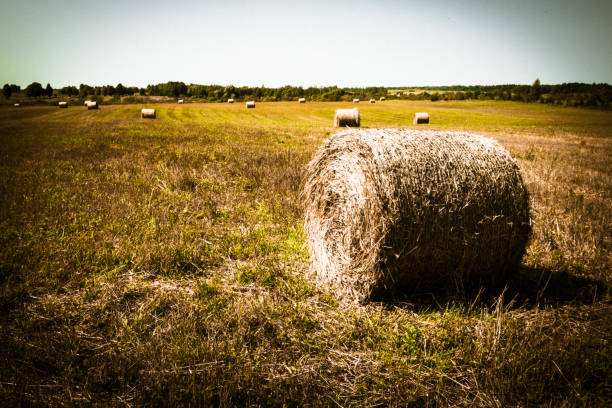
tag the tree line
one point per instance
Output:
(568, 94)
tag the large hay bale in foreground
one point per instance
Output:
(87, 102)
(250, 104)
(62, 104)
(420, 117)
(347, 117)
(388, 211)
(92, 105)
(147, 113)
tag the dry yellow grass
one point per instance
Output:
(163, 263)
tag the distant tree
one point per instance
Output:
(535, 91)
(120, 89)
(7, 91)
(15, 88)
(69, 90)
(35, 89)
(85, 90)
(49, 91)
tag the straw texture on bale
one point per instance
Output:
(181, 101)
(302, 100)
(388, 211)
(63, 104)
(347, 117)
(250, 104)
(230, 101)
(421, 117)
(92, 105)
(148, 113)
(356, 100)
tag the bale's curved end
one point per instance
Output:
(387, 210)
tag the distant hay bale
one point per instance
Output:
(382, 98)
(92, 105)
(356, 100)
(372, 101)
(347, 118)
(392, 210)
(16, 105)
(147, 113)
(302, 100)
(250, 104)
(421, 117)
(181, 101)
(230, 100)
(63, 104)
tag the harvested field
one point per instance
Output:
(164, 262)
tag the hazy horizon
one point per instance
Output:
(347, 44)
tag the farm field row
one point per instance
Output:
(468, 115)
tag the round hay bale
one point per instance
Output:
(372, 101)
(87, 102)
(92, 105)
(63, 104)
(147, 113)
(420, 117)
(356, 100)
(302, 100)
(382, 98)
(230, 101)
(347, 118)
(16, 105)
(388, 211)
(250, 104)
(181, 101)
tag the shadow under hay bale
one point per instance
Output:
(147, 113)
(420, 117)
(347, 118)
(389, 210)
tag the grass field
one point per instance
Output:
(163, 262)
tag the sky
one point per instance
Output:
(305, 43)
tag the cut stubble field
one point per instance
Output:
(163, 262)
